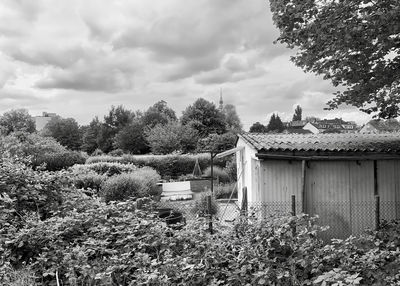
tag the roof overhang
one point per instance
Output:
(325, 155)
(229, 152)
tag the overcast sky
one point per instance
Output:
(79, 57)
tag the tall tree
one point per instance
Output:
(353, 43)
(90, 136)
(159, 113)
(297, 113)
(170, 137)
(131, 138)
(232, 119)
(258, 128)
(205, 117)
(65, 131)
(275, 124)
(116, 119)
(17, 120)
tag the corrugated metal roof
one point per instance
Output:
(349, 142)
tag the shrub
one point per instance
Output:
(219, 174)
(60, 160)
(116, 152)
(121, 187)
(25, 191)
(106, 168)
(89, 181)
(97, 152)
(140, 183)
(231, 169)
(200, 206)
(224, 191)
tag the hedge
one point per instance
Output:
(56, 161)
(171, 166)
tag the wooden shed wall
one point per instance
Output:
(340, 192)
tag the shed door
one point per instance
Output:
(328, 195)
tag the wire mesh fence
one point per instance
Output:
(343, 218)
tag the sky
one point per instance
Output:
(78, 57)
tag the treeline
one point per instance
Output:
(157, 130)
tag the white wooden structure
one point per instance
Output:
(335, 176)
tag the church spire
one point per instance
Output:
(221, 102)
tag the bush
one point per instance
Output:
(116, 152)
(200, 206)
(121, 187)
(106, 168)
(25, 191)
(89, 181)
(231, 169)
(171, 166)
(219, 174)
(224, 191)
(138, 184)
(60, 160)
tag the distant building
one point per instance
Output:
(381, 126)
(336, 125)
(42, 120)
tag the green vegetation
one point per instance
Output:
(168, 166)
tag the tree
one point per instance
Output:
(275, 124)
(353, 43)
(232, 119)
(116, 119)
(65, 131)
(217, 142)
(90, 136)
(131, 138)
(17, 120)
(205, 117)
(297, 113)
(159, 113)
(167, 138)
(258, 128)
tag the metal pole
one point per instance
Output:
(212, 173)
(210, 226)
(293, 214)
(377, 212)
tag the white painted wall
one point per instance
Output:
(244, 167)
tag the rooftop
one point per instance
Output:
(353, 142)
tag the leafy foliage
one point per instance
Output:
(138, 184)
(104, 168)
(131, 138)
(258, 128)
(204, 117)
(159, 113)
(217, 142)
(65, 131)
(232, 119)
(219, 174)
(275, 124)
(354, 43)
(172, 165)
(16, 120)
(297, 113)
(172, 137)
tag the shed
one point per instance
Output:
(334, 176)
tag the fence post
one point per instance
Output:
(294, 214)
(209, 207)
(377, 212)
(244, 202)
